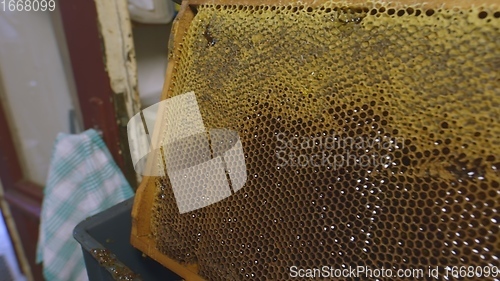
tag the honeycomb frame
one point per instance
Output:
(141, 237)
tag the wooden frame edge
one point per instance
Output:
(188, 272)
(140, 236)
(316, 3)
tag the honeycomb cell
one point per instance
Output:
(370, 137)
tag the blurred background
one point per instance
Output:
(86, 64)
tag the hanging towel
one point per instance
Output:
(83, 180)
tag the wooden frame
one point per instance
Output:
(105, 104)
(24, 197)
(141, 213)
(14, 236)
(140, 237)
(434, 4)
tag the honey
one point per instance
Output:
(370, 133)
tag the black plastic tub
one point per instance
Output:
(108, 254)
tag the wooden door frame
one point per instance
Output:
(23, 196)
(102, 107)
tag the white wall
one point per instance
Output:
(151, 52)
(36, 89)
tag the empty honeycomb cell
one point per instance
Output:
(370, 135)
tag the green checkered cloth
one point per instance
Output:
(83, 180)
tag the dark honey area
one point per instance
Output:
(424, 84)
